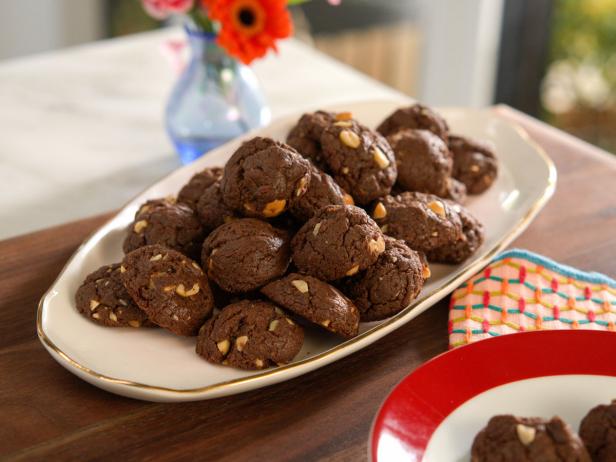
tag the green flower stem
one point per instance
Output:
(202, 21)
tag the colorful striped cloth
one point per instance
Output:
(521, 291)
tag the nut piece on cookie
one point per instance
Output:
(245, 254)
(305, 137)
(196, 186)
(471, 239)
(211, 209)
(316, 301)
(424, 221)
(250, 334)
(264, 178)
(474, 163)
(165, 222)
(103, 299)
(508, 438)
(339, 241)
(424, 161)
(171, 288)
(388, 286)
(322, 191)
(416, 116)
(598, 431)
(360, 160)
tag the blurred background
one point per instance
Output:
(553, 59)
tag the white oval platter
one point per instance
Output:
(153, 364)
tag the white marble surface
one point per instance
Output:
(81, 130)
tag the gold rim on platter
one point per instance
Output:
(426, 301)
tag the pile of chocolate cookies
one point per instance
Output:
(510, 438)
(330, 229)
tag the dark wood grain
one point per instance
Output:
(47, 413)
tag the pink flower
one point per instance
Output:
(162, 9)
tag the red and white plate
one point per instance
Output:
(436, 411)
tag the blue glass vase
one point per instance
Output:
(215, 99)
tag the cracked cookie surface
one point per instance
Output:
(263, 178)
(102, 298)
(416, 116)
(196, 186)
(474, 163)
(470, 240)
(171, 288)
(316, 301)
(211, 209)
(167, 223)
(507, 438)
(424, 221)
(424, 161)
(322, 191)
(389, 285)
(250, 334)
(598, 431)
(360, 160)
(245, 254)
(305, 136)
(339, 241)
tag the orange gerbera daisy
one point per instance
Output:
(250, 27)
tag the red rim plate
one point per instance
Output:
(418, 404)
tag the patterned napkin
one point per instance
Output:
(521, 291)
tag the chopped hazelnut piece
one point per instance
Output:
(274, 208)
(379, 211)
(241, 342)
(381, 159)
(350, 139)
(300, 285)
(437, 207)
(140, 226)
(223, 346)
(526, 434)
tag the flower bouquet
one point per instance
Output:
(218, 97)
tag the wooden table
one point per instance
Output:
(48, 413)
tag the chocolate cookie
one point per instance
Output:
(250, 334)
(519, 439)
(103, 299)
(316, 301)
(212, 210)
(172, 289)
(263, 178)
(322, 191)
(598, 431)
(424, 161)
(456, 191)
(470, 240)
(360, 160)
(305, 137)
(424, 221)
(388, 286)
(416, 116)
(245, 254)
(165, 222)
(339, 241)
(474, 163)
(194, 189)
